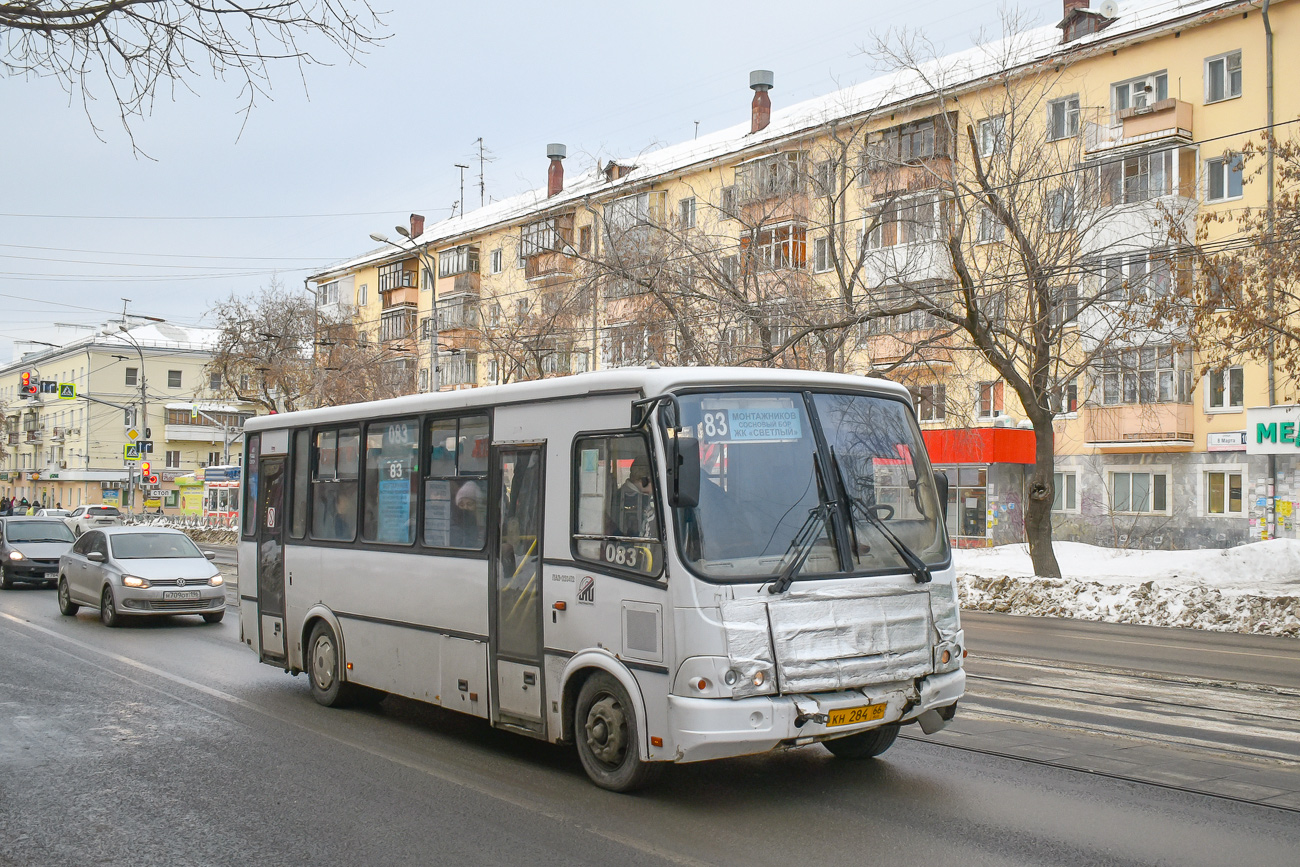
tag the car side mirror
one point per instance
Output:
(683, 469)
(941, 488)
(95, 557)
(211, 555)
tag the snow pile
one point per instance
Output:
(1250, 588)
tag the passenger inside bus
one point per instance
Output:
(632, 508)
(466, 531)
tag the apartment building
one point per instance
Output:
(822, 234)
(66, 442)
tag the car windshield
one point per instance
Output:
(762, 485)
(153, 546)
(101, 511)
(38, 531)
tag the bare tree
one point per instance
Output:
(278, 350)
(134, 47)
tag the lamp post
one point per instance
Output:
(124, 332)
(426, 261)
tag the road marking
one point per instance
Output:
(452, 778)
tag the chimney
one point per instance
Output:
(760, 81)
(555, 174)
(417, 225)
(1071, 5)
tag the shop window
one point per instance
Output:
(1223, 493)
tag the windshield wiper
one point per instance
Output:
(914, 563)
(802, 543)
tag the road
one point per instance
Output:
(167, 743)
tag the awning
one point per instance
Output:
(982, 445)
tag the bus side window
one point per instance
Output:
(301, 482)
(392, 461)
(250, 486)
(617, 509)
(334, 485)
(455, 483)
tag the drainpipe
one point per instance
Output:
(1269, 289)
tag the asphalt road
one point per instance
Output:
(167, 743)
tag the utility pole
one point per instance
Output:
(483, 157)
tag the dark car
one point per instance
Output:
(30, 549)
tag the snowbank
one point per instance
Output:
(1250, 588)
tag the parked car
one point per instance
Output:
(52, 513)
(85, 517)
(132, 571)
(30, 549)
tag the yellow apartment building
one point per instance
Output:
(820, 235)
(66, 442)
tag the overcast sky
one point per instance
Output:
(85, 223)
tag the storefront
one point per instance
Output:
(986, 470)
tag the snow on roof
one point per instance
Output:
(153, 335)
(956, 70)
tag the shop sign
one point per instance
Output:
(1227, 441)
(1273, 430)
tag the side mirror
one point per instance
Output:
(941, 488)
(211, 555)
(683, 469)
(95, 557)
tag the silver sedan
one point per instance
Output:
(132, 571)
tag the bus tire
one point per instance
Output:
(324, 669)
(605, 728)
(864, 745)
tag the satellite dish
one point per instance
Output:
(1109, 9)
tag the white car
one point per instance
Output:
(85, 518)
(52, 513)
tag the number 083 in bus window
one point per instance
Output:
(392, 468)
(617, 509)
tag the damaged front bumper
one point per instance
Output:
(713, 728)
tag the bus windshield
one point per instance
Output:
(768, 478)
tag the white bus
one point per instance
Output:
(655, 564)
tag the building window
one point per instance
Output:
(132, 376)
(214, 382)
(584, 240)
(993, 135)
(1223, 77)
(1065, 305)
(458, 260)
(1066, 497)
(459, 311)
(727, 201)
(1063, 118)
(329, 293)
(1152, 374)
(214, 459)
(424, 379)
(1223, 493)
(686, 212)
(1136, 177)
(1225, 389)
(990, 227)
(173, 460)
(821, 254)
(777, 248)
(540, 236)
(1060, 209)
(173, 379)
(497, 260)
(393, 276)
(363, 292)
(1139, 492)
(825, 177)
(243, 382)
(1223, 178)
(1139, 92)
(771, 177)
(639, 209)
(1135, 278)
(967, 501)
(460, 368)
(931, 402)
(990, 401)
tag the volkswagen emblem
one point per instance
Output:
(180, 582)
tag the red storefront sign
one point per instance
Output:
(984, 445)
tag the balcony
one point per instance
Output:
(547, 265)
(397, 322)
(1166, 119)
(1148, 427)
(12, 437)
(35, 436)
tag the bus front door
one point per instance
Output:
(516, 573)
(270, 559)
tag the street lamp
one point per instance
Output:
(124, 332)
(427, 262)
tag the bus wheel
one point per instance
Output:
(323, 669)
(606, 732)
(864, 745)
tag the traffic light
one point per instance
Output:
(144, 469)
(29, 387)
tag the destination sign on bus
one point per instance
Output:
(751, 424)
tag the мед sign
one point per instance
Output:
(1273, 430)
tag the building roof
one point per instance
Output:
(956, 71)
(152, 336)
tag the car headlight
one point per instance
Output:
(216, 580)
(134, 581)
(15, 555)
